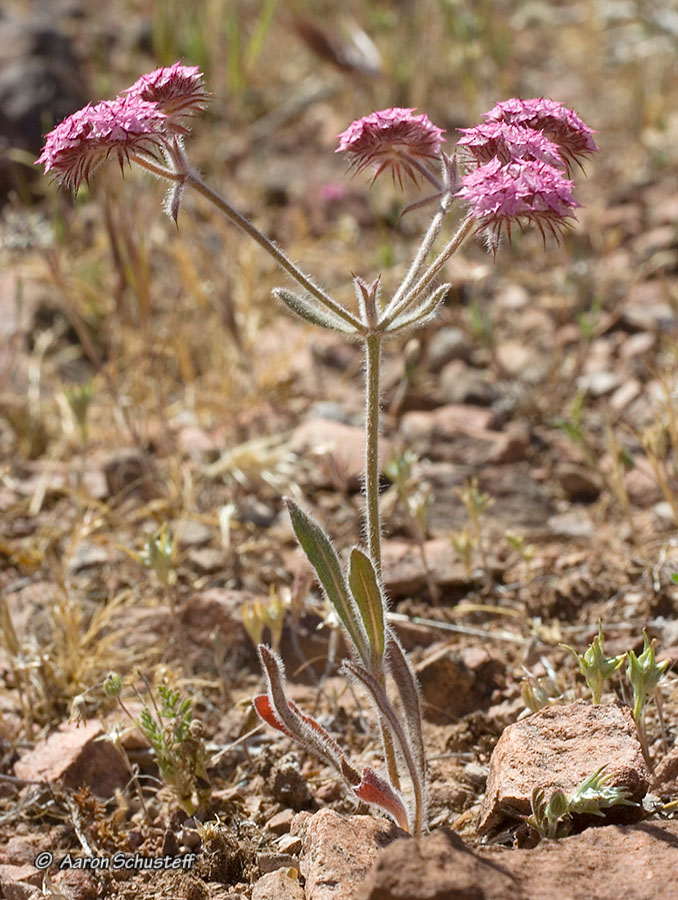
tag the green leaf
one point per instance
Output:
(322, 556)
(362, 579)
(308, 309)
(417, 316)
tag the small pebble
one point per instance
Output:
(269, 862)
(290, 843)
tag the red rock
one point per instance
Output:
(519, 501)
(514, 358)
(194, 441)
(447, 344)
(280, 822)
(578, 482)
(636, 345)
(454, 684)
(454, 433)
(216, 614)
(336, 450)
(558, 747)
(26, 876)
(439, 867)
(666, 775)
(641, 484)
(278, 885)
(19, 890)
(599, 383)
(625, 394)
(338, 852)
(77, 884)
(634, 862)
(74, 754)
(509, 446)
(405, 572)
(21, 849)
(461, 383)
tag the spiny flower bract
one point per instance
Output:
(120, 127)
(524, 191)
(560, 124)
(177, 90)
(509, 142)
(391, 139)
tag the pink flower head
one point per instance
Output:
(524, 191)
(509, 143)
(177, 90)
(122, 127)
(391, 139)
(560, 124)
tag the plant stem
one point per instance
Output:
(422, 253)
(394, 309)
(372, 423)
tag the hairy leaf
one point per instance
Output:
(377, 791)
(308, 309)
(408, 690)
(364, 584)
(322, 556)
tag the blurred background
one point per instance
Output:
(286, 78)
(148, 378)
(168, 331)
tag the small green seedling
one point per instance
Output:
(179, 747)
(553, 818)
(415, 499)
(176, 739)
(538, 693)
(462, 543)
(525, 551)
(476, 503)
(258, 615)
(158, 555)
(595, 666)
(79, 399)
(644, 674)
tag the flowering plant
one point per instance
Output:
(512, 169)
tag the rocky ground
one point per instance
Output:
(549, 378)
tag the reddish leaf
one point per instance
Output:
(377, 791)
(263, 706)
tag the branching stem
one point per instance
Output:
(395, 308)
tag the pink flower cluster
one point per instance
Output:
(142, 122)
(517, 162)
(177, 90)
(560, 124)
(392, 139)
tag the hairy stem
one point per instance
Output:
(454, 244)
(372, 422)
(420, 258)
